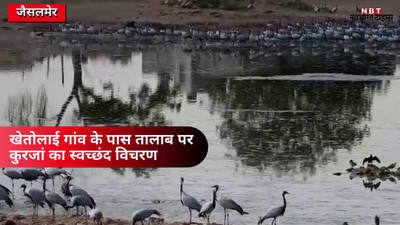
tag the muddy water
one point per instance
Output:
(265, 135)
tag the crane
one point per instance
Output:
(190, 202)
(142, 214)
(96, 215)
(275, 212)
(208, 207)
(36, 196)
(229, 204)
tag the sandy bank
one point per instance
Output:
(76, 220)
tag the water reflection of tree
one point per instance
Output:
(143, 108)
(294, 60)
(23, 110)
(289, 126)
(139, 172)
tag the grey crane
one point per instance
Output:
(82, 200)
(5, 194)
(51, 173)
(52, 199)
(65, 187)
(12, 174)
(228, 204)
(189, 201)
(208, 207)
(143, 214)
(70, 190)
(4, 190)
(96, 215)
(31, 174)
(275, 212)
(79, 191)
(36, 196)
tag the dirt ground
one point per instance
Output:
(76, 220)
(154, 11)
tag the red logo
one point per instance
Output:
(36, 13)
(371, 11)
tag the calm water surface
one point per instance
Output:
(265, 136)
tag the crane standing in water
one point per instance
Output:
(189, 201)
(275, 212)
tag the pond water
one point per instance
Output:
(265, 135)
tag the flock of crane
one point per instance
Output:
(76, 197)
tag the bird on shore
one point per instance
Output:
(96, 215)
(190, 202)
(83, 201)
(142, 214)
(12, 174)
(275, 212)
(371, 159)
(208, 207)
(36, 196)
(52, 199)
(5, 195)
(229, 204)
(70, 190)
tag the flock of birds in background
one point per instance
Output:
(273, 34)
(76, 197)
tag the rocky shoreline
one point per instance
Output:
(73, 220)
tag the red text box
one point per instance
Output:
(36, 13)
(139, 147)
